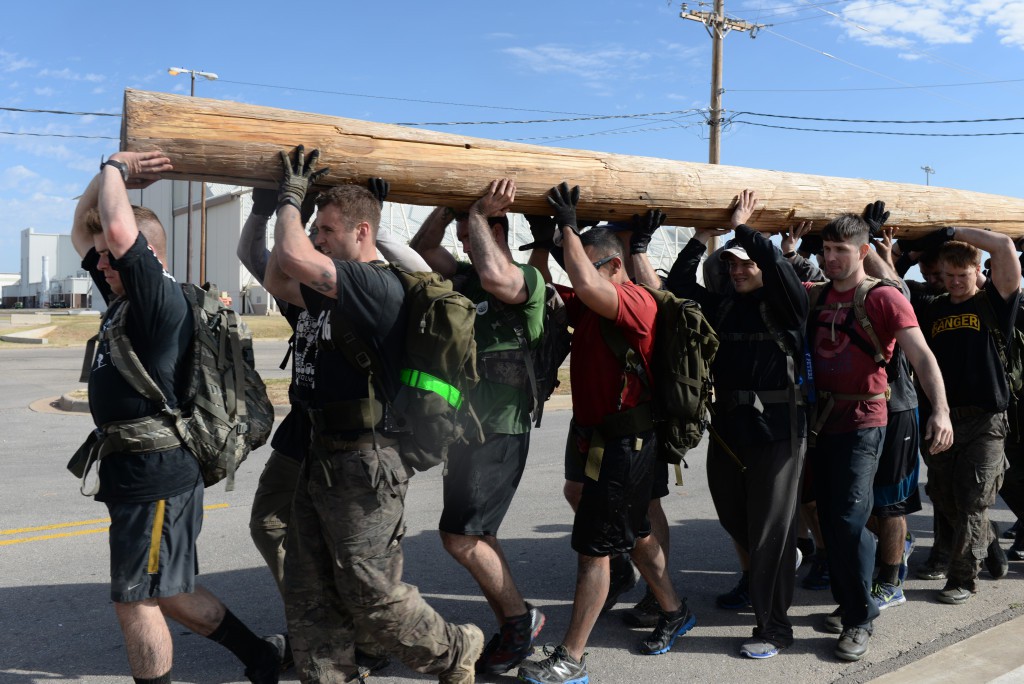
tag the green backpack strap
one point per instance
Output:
(988, 317)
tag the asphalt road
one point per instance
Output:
(57, 623)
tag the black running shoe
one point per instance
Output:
(996, 561)
(670, 627)
(558, 668)
(645, 613)
(738, 598)
(512, 644)
(267, 667)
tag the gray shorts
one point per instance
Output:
(480, 484)
(153, 546)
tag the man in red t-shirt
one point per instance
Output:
(849, 440)
(608, 405)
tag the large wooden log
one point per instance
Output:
(228, 142)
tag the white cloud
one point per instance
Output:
(11, 62)
(69, 75)
(598, 68)
(44, 92)
(16, 177)
(904, 25)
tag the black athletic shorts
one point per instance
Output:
(153, 546)
(895, 485)
(480, 484)
(612, 513)
(575, 465)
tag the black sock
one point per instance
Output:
(233, 635)
(165, 678)
(889, 574)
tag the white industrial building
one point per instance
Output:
(51, 272)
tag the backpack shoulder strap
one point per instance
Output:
(860, 297)
(126, 360)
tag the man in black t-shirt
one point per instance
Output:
(963, 482)
(155, 499)
(343, 563)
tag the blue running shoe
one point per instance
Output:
(886, 595)
(670, 627)
(759, 649)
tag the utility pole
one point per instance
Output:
(717, 26)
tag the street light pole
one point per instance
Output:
(928, 171)
(209, 76)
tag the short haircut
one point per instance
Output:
(501, 221)
(145, 220)
(929, 257)
(960, 254)
(847, 228)
(356, 203)
(601, 239)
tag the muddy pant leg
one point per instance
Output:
(977, 476)
(940, 490)
(271, 512)
(362, 507)
(319, 626)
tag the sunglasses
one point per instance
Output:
(601, 262)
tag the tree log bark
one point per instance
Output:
(228, 142)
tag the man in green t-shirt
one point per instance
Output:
(482, 479)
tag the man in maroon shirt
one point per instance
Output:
(612, 513)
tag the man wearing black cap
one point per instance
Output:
(754, 478)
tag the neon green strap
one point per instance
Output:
(425, 381)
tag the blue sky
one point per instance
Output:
(483, 61)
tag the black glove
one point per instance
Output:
(563, 201)
(929, 242)
(876, 216)
(643, 228)
(298, 177)
(380, 188)
(543, 230)
(264, 202)
(811, 244)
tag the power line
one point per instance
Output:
(882, 121)
(56, 111)
(854, 90)
(400, 99)
(904, 133)
(59, 135)
(602, 117)
(616, 131)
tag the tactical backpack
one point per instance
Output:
(872, 346)
(223, 410)
(438, 369)
(684, 347)
(533, 370)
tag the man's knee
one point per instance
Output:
(460, 546)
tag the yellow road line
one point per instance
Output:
(79, 523)
(76, 533)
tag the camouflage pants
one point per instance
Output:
(343, 569)
(962, 484)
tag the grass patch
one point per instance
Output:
(74, 331)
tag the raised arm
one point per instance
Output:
(80, 237)
(427, 241)
(129, 170)
(252, 242)
(643, 229)
(1005, 266)
(499, 275)
(597, 293)
(294, 259)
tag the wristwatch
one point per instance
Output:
(119, 165)
(790, 254)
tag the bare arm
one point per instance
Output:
(427, 241)
(1005, 266)
(298, 260)
(498, 273)
(401, 254)
(119, 227)
(939, 430)
(644, 271)
(80, 236)
(539, 260)
(597, 293)
(280, 285)
(252, 246)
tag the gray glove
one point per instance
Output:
(298, 177)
